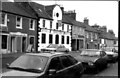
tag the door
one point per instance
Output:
(4, 43)
(77, 44)
(68, 67)
(24, 44)
(55, 64)
(13, 44)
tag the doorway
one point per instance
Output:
(24, 41)
(13, 44)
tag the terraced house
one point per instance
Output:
(92, 40)
(78, 31)
(53, 27)
(107, 38)
(18, 28)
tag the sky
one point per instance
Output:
(103, 13)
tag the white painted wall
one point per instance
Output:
(53, 32)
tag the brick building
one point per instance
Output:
(17, 29)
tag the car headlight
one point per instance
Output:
(90, 63)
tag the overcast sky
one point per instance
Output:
(103, 13)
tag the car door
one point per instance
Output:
(68, 67)
(55, 64)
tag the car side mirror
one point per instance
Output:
(52, 72)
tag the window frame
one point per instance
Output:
(43, 39)
(33, 25)
(43, 23)
(51, 38)
(68, 41)
(20, 22)
(5, 20)
(50, 24)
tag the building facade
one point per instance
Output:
(17, 29)
(92, 40)
(53, 28)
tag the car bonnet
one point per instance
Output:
(21, 73)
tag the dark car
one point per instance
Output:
(112, 54)
(56, 48)
(93, 60)
(45, 65)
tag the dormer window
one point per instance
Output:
(19, 22)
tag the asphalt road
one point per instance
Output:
(110, 72)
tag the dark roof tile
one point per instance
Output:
(12, 7)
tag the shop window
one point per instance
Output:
(43, 38)
(4, 41)
(50, 38)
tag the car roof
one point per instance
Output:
(48, 54)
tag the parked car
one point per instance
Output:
(45, 65)
(112, 54)
(93, 60)
(56, 48)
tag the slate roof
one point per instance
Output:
(107, 35)
(49, 9)
(89, 28)
(14, 8)
(40, 10)
(69, 20)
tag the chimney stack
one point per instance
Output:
(86, 21)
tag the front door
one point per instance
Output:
(13, 44)
(23, 44)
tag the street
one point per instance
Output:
(111, 72)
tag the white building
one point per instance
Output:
(53, 28)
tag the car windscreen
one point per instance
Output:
(52, 46)
(89, 53)
(30, 62)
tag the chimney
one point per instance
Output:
(71, 14)
(104, 28)
(86, 21)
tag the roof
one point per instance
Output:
(89, 28)
(13, 7)
(47, 54)
(49, 9)
(40, 10)
(69, 20)
(107, 35)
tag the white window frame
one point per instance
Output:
(33, 25)
(20, 22)
(5, 20)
